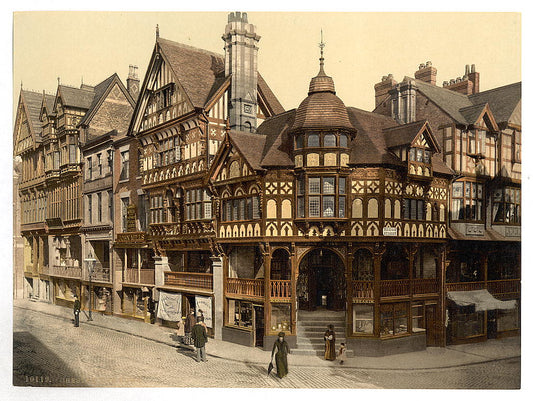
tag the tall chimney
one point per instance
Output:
(132, 83)
(241, 63)
(427, 73)
(381, 90)
(473, 76)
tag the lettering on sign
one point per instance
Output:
(474, 229)
(131, 218)
(512, 231)
(390, 231)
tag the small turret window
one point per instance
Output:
(330, 140)
(313, 140)
(343, 141)
(299, 141)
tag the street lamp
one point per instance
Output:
(90, 266)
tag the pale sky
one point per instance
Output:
(360, 47)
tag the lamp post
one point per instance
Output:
(90, 266)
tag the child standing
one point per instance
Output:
(342, 353)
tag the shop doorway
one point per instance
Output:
(259, 325)
(321, 281)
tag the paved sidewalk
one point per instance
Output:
(432, 358)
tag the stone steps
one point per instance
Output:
(311, 326)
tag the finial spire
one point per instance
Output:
(321, 45)
(157, 31)
(58, 81)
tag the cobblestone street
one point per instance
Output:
(49, 351)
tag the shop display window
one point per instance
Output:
(468, 324)
(418, 318)
(363, 318)
(240, 313)
(139, 303)
(102, 299)
(280, 318)
(507, 319)
(393, 319)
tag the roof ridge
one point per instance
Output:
(439, 87)
(172, 42)
(495, 89)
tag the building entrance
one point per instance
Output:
(321, 281)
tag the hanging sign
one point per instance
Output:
(169, 306)
(204, 304)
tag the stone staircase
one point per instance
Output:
(310, 328)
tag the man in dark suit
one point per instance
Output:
(199, 335)
(77, 307)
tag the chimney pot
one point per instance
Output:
(473, 68)
(428, 64)
(421, 66)
(445, 83)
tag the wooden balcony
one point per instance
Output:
(280, 289)
(495, 287)
(66, 271)
(364, 289)
(245, 287)
(140, 276)
(203, 281)
(101, 272)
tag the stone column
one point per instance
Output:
(218, 295)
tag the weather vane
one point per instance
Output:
(321, 44)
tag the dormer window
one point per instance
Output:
(420, 162)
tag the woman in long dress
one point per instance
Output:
(281, 349)
(329, 338)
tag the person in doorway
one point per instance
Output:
(329, 338)
(342, 354)
(199, 336)
(77, 308)
(281, 349)
(189, 324)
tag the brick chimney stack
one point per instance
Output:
(382, 89)
(427, 73)
(132, 83)
(468, 84)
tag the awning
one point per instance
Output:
(482, 299)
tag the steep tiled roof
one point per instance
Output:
(33, 100)
(471, 113)
(502, 100)
(278, 145)
(196, 69)
(250, 146)
(447, 100)
(403, 134)
(75, 97)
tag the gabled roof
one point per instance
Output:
(75, 97)
(277, 150)
(199, 71)
(404, 134)
(471, 113)
(32, 103)
(502, 100)
(250, 146)
(47, 102)
(100, 91)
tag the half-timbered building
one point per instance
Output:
(480, 136)
(186, 98)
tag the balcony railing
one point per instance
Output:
(466, 286)
(142, 276)
(280, 289)
(101, 272)
(193, 280)
(245, 286)
(394, 288)
(66, 271)
(509, 286)
(364, 289)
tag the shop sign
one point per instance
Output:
(390, 231)
(204, 304)
(474, 229)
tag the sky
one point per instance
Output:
(360, 47)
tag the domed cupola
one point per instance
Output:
(322, 108)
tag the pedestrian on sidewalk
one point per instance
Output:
(77, 307)
(329, 338)
(342, 354)
(199, 335)
(282, 367)
(189, 324)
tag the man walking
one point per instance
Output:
(77, 307)
(190, 321)
(199, 336)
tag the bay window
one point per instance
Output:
(326, 197)
(467, 201)
(506, 205)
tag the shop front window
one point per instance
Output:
(363, 318)
(239, 313)
(417, 317)
(280, 318)
(393, 319)
(507, 319)
(467, 324)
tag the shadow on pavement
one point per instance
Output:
(35, 365)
